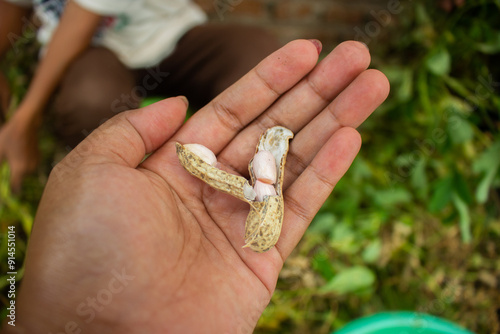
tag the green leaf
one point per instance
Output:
(322, 264)
(484, 186)
(405, 91)
(459, 129)
(390, 197)
(401, 77)
(461, 188)
(423, 92)
(323, 223)
(344, 239)
(350, 280)
(360, 170)
(488, 163)
(372, 251)
(464, 218)
(419, 178)
(452, 105)
(490, 47)
(442, 194)
(457, 86)
(4, 181)
(421, 15)
(439, 62)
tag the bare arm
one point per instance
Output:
(11, 23)
(18, 140)
(72, 36)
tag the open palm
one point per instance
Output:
(123, 245)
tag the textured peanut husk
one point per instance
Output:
(265, 219)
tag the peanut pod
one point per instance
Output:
(264, 221)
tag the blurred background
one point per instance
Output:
(415, 223)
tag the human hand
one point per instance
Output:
(19, 146)
(125, 246)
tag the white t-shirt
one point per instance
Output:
(140, 32)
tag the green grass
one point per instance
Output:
(415, 223)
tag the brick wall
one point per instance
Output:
(331, 21)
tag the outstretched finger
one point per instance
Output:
(303, 102)
(304, 197)
(350, 109)
(219, 122)
(128, 137)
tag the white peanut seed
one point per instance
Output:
(263, 189)
(203, 153)
(264, 167)
(249, 192)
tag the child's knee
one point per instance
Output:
(88, 104)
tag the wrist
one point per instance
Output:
(28, 115)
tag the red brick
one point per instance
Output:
(288, 10)
(206, 5)
(222, 9)
(331, 21)
(253, 8)
(342, 13)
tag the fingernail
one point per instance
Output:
(317, 44)
(184, 99)
(366, 46)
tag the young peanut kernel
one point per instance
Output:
(263, 189)
(265, 196)
(264, 167)
(203, 153)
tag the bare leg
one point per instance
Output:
(96, 87)
(207, 60)
(211, 57)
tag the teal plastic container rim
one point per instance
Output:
(401, 322)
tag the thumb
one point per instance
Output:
(126, 138)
